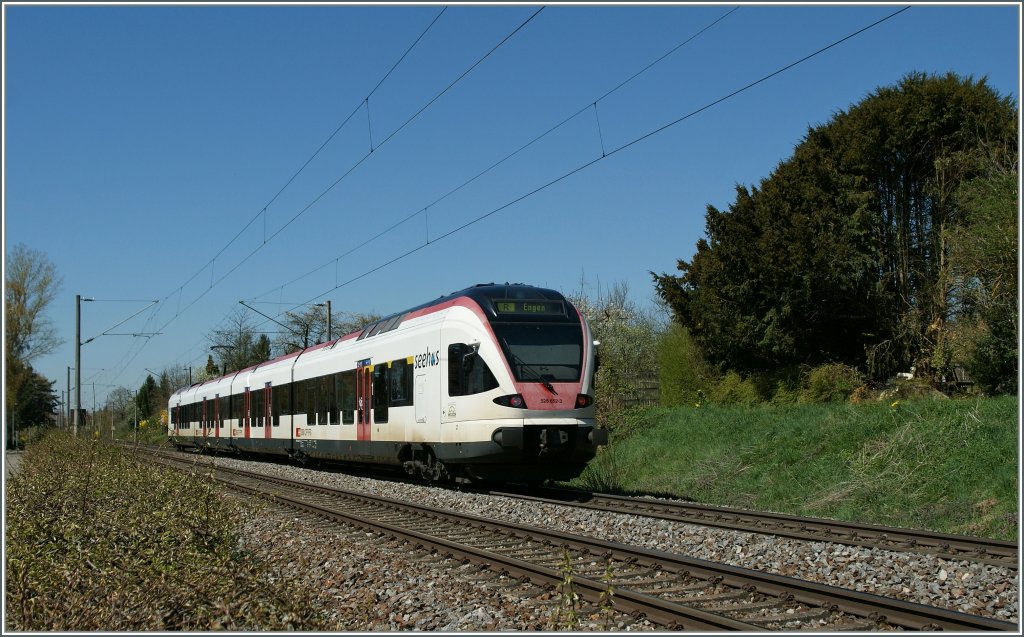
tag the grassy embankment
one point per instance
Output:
(96, 540)
(945, 465)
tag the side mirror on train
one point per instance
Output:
(469, 354)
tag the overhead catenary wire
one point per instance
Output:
(509, 156)
(590, 163)
(353, 167)
(610, 153)
(129, 356)
(305, 164)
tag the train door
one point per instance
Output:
(203, 421)
(268, 417)
(216, 415)
(364, 395)
(245, 413)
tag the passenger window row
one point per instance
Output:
(328, 399)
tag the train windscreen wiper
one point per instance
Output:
(523, 365)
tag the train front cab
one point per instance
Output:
(516, 393)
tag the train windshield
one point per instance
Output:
(542, 352)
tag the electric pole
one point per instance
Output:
(78, 360)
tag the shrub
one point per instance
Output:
(833, 382)
(735, 390)
(628, 351)
(785, 394)
(684, 374)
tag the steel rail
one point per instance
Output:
(882, 610)
(657, 610)
(952, 547)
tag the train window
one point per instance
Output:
(299, 397)
(256, 407)
(393, 323)
(277, 403)
(323, 399)
(380, 393)
(309, 389)
(331, 382)
(262, 407)
(468, 374)
(542, 352)
(348, 396)
(279, 398)
(378, 327)
(401, 383)
(251, 409)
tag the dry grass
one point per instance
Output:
(98, 541)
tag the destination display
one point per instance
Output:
(532, 308)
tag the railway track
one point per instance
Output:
(668, 589)
(951, 547)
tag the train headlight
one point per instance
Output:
(583, 400)
(512, 400)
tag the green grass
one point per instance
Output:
(945, 465)
(98, 541)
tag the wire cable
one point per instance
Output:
(507, 157)
(316, 153)
(349, 171)
(609, 154)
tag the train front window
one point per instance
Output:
(542, 352)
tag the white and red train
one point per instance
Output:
(493, 382)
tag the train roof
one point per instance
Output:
(484, 294)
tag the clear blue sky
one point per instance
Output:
(140, 140)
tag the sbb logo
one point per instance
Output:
(426, 360)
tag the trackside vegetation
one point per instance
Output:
(96, 540)
(944, 465)
(887, 242)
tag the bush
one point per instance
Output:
(993, 363)
(628, 351)
(684, 375)
(833, 382)
(735, 390)
(97, 541)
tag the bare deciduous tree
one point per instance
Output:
(310, 327)
(237, 344)
(31, 285)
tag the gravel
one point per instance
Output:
(421, 592)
